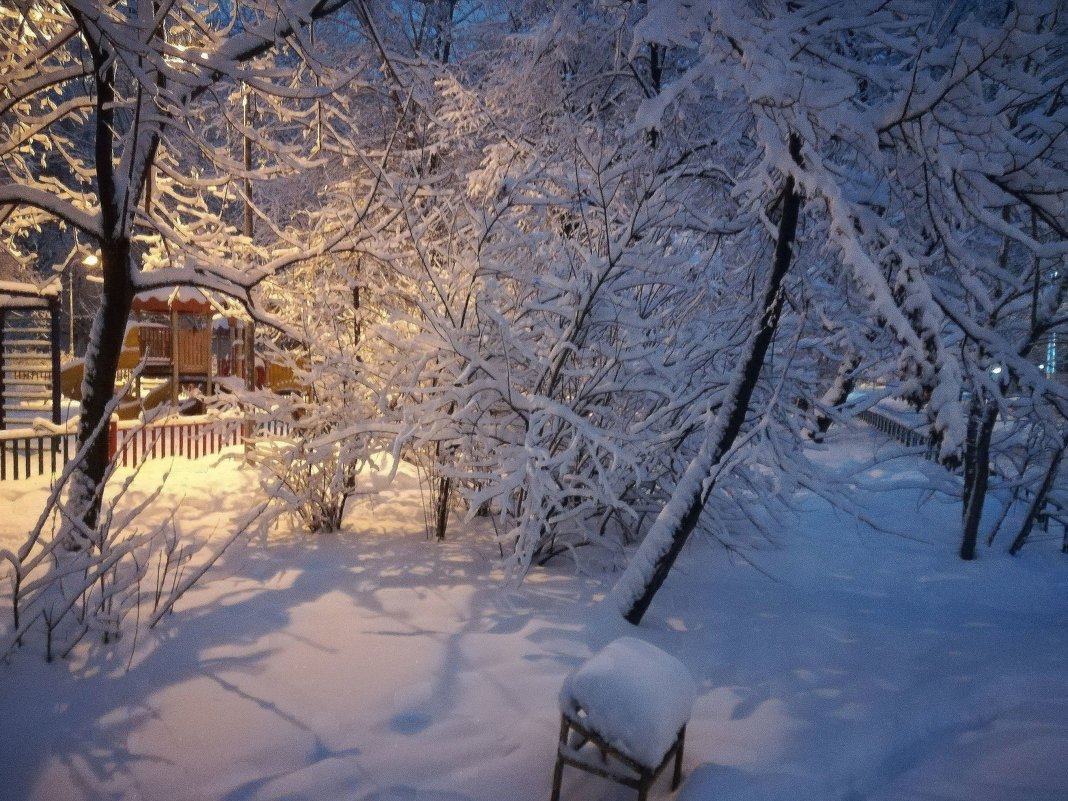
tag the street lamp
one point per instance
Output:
(90, 260)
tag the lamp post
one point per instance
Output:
(66, 269)
(90, 262)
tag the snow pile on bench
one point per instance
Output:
(632, 695)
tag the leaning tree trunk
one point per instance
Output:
(651, 564)
(1039, 501)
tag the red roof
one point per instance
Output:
(183, 299)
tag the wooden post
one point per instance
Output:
(3, 384)
(174, 357)
(140, 350)
(211, 352)
(237, 369)
(250, 384)
(250, 355)
(113, 438)
(53, 315)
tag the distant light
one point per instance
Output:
(91, 260)
(995, 370)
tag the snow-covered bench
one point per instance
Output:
(624, 714)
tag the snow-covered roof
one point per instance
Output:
(634, 696)
(186, 299)
(17, 295)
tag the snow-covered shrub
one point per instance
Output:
(569, 320)
(572, 310)
(313, 483)
(123, 575)
(333, 418)
(588, 340)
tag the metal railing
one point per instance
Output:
(897, 430)
(910, 438)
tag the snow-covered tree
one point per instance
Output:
(124, 121)
(568, 286)
(921, 141)
(588, 264)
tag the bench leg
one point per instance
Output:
(643, 787)
(558, 776)
(558, 771)
(676, 777)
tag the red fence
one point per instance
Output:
(130, 443)
(25, 454)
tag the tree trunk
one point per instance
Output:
(651, 564)
(976, 473)
(1040, 500)
(837, 394)
(968, 465)
(441, 521)
(117, 202)
(98, 385)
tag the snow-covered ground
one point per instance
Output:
(841, 664)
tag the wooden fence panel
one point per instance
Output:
(189, 439)
(32, 454)
(26, 454)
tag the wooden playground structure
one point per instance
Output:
(186, 337)
(175, 340)
(179, 337)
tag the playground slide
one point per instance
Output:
(71, 385)
(157, 397)
(70, 379)
(70, 375)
